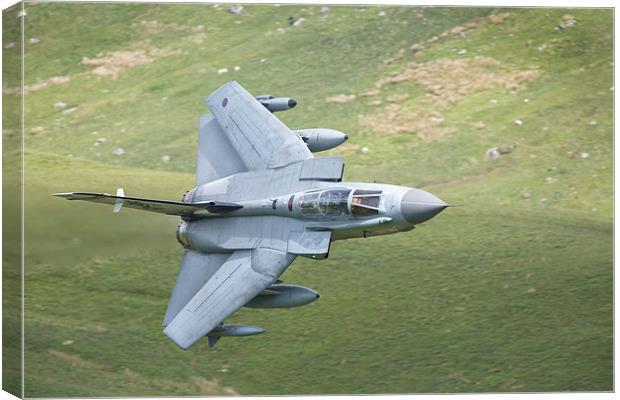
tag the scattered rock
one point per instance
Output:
(69, 110)
(263, 60)
(550, 181)
(374, 103)
(506, 149)
(526, 100)
(60, 105)
(299, 21)
(526, 195)
(416, 47)
(21, 14)
(165, 158)
(118, 152)
(518, 122)
(164, 99)
(67, 342)
(567, 22)
(381, 13)
(9, 45)
(235, 9)
(34, 40)
(479, 125)
(493, 101)
(222, 71)
(370, 93)
(280, 30)
(593, 123)
(365, 150)
(531, 290)
(37, 130)
(462, 52)
(583, 155)
(101, 140)
(493, 153)
(324, 10)
(341, 98)
(237, 68)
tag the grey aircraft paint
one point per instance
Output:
(261, 199)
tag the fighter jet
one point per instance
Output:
(261, 199)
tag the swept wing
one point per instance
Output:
(154, 205)
(243, 275)
(260, 139)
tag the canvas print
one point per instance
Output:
(306, 199)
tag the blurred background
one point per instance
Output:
(506, 111)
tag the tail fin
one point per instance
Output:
(119, 202)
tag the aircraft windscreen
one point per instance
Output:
(330, 202)
(310, 203)
(365, 202)
(333, 202)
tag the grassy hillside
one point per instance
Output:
(512, 292)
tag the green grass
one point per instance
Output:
(504, 294)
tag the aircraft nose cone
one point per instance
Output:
(292, 103)
(418, 206)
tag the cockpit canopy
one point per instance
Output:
(336, 202)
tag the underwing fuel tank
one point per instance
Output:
(321, 139)
(236, 330)
(275, 104)
(232, 330)
(283, 296)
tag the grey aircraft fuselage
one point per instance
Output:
(346, 209)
